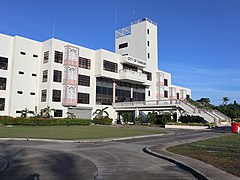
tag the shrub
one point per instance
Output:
(127, 117)
(102, 121)
(138, 119)
(43, 121)
(152, 117)
(192, 119)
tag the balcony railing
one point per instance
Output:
(144, 19)
(132, 75)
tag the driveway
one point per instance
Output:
(35, 160)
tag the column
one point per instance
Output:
(114, 92)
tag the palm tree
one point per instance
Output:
(70, 115)
(225, 100)
(99, 112)
(25, 112)
(47, 112)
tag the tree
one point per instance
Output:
(100, 113)
(152, 117)
(225, 100)
(47, 112)
(70, 115)
(25, 112)
(127, 117)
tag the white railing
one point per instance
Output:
(126, 73)
(123, 32)
(144, 19)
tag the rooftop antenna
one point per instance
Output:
(133, 15)
(53, 32)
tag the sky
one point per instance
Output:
(199, 40)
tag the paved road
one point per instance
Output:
(107, 160)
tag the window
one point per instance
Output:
(46, 57)
(45, 76)
(149, 93)
(83, 98)
(22, 53)
(20, 72)
(34, 55)
(58, 113)
(166, 94)
(84, 63)
(148, 55)
(165, 82)
(149, 75)
(3, 83)
(19, 92)
(110, 66)
(148, 31)
(138, 92)
(56, 96)
(104, 91)
(58, 58)
(2, 104)
(3, 63)
(57, 76)
(177, 95)
(44, 95)
(33, 74)
(187, 96)
(148, 43)
(32, 93)
(83, 80)
(123, 45)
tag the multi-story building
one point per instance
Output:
(68, 77)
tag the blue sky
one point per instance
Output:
(199, 40)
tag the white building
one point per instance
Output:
(68, 77)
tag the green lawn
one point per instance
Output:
(73, 132)
(222, 152)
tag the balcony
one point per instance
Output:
(133, 61)
(132, 75)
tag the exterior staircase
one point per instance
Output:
(174, 105)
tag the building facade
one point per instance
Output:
(72, 78)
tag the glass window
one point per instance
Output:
(22, 53)
(84, 63)
(45, 76)
(83, 98)
(165, 82)
(83, 80)
(149, 75)
(58, 58)
(110, 66)
(2, 104)
(57, 76)
(44, 95)
(56, 96)
(104, 91)
(46, 57)
(166, 94)
(3, 63)
(3, 83)
(34, 55)
(123, 45)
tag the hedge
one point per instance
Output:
(102, 121)
(192, 119)
(7, 120)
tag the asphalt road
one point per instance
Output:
(125, 159)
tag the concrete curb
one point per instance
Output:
(4, 164)
(193, 171)
(84, 141)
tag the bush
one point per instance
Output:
(43, 121)
(102, 121)
(163, 119)
(192, 119)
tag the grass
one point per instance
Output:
(72, 132)
(222, 152)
